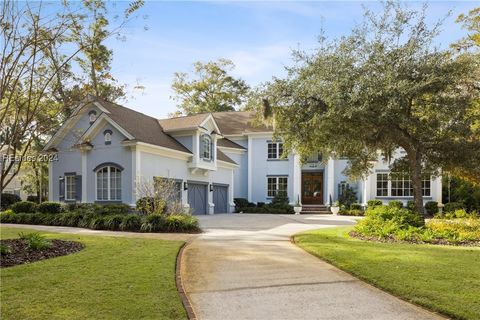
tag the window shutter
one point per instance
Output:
(201, 145)
(78, 188)
(61, 189)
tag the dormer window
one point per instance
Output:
(107, 134)
(206, 144)
(92, 115)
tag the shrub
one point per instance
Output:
(431, 207)
(35, 199)
(24, 207)
(113, 222)
(4, 249)
(153, 223)
(35, 241)
(117, 208)
(356, 206)
(411, 205)
(70, 219)
(452, 206)
(49, 207)
(97, 223)
(240, 202)
(374, 203)
(454, 231)
(395, 204)
(347, 197)
(131, 222)
(7, 216)
(280, 199)
(23, 218)
(150, 205)
(181, 222)
(8, 199)
(260, 204)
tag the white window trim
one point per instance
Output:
(277, 149)
(108, 137)
(109, 196)
(277, 184)
(207, 146)
(74, 188)
(389, 190)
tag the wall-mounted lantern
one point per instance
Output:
(185, 186)
(211, 187)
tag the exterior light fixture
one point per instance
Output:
(185, 186)
(211, 187)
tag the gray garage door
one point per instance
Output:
(197, 198)
(220, 198)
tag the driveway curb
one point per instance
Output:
(178, 281)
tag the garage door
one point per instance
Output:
(197, 198)
(220, 198)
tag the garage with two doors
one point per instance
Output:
(198, 197)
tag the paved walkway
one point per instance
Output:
(245, 267)
(89, 232)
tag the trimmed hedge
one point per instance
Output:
(395, 204)
(431, 207)
(268, 208)
(452, 206)
(374, 203)
(8, 199)
(49, 207)
(24, 207)
(128, 222)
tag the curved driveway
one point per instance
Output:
(245, 267)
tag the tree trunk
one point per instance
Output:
(415, 161)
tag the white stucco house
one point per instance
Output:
(105, 149)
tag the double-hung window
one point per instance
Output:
(70, 191)
(274, 149)
(109, 184)
(275, 185)
(206, 147)
(382, 184)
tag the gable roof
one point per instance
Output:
(142, 127)
(183, 123)
(239, 123)
(227, 143)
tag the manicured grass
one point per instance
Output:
(112, 278)
(442, 278)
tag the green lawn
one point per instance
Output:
(442, 278)
(112, 278)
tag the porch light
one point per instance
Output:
(211, 187)
(185, 186)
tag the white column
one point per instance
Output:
(50, 181)
(297, 178)
(367, 189)
(330, 180)
(134, 176)
(84, 176)
(249, 178)
(231, 195)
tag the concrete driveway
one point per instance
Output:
(245, 267)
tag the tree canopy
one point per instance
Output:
(384, 86)
(212, 89)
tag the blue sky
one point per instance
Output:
(257, 36)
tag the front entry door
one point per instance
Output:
(312, 188)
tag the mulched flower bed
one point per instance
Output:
(391, 239)
(20, 254)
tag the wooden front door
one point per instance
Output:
(312, 188)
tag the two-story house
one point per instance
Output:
(105, 150)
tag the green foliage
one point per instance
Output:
(35, 241)
(240, 202)
(49, 207)
(356, 206)
(4, 249)
(395, 203)
(131, 222)
(24, 207)
(411, 205)
(8, 200)
(181, 223)
(461, 191)
(351, 212)
(452, 206)
(151, 205)
(431, 207)
(280, 199)
(347, 197)
(153, 223)
(97, 223)
(7, 216)
(119, 208)
(374, 203)
(113, 222)
(212, 90)
(455, 231)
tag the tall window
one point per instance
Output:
(274, 150)
(382, 184)
(399, 185)
(70, 187)
(206, 147)
(109, 184)
(276, 184)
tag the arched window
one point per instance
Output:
(206, 147)
(92, 116)
(109, 183)
(108, 136)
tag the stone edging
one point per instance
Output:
(178, 281)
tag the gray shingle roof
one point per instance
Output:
(238, 123)
(227, 143)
